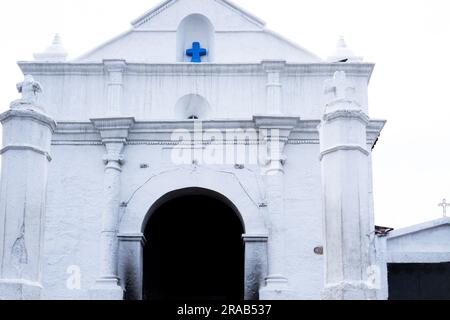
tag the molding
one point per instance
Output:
(276, 66)
(276, 122)
(22, 282)
(255, 238)
(115, 65)
(344, 148)
(417, 257)
(25, 147)
(168, 3)
(114, 129)
(31, 114)
(132, 237)
(418, 228)
(159, 132)
(185, 68)
(152, 13)
(347, 114)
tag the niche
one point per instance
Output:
(192, 107)
(195, 28)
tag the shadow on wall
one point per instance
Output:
(192, 107)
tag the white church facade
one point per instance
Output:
(198, 155)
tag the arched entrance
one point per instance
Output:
(194, 248)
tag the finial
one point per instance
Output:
(343, 54)
(57, 40)
(54, 53)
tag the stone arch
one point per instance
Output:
(226, 185)
(220, 184)
(195, 28)
(191, 191)
(192, 107)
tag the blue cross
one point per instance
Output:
(196, 52)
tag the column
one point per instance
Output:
(273, 86)
(255, 265)
(114, 134)
(131, 264)
(27, 134)
(346, 202)
(115, 70)
(274, 133)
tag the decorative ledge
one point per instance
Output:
(255, 238)
(347, 114)
(159, 132)
(344, 148)
(132, 237)
(226, 69)
(26, 148)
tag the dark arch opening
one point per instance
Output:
(194, 248)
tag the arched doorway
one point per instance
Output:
(194, 248)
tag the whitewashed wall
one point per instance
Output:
(74, 210)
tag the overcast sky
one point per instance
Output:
(409, 40)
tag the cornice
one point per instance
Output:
(159, 132)
(168, 3)
(276, 122)
(186, 68)
(152, 13)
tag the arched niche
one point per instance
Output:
(192, 107)
(195, 28)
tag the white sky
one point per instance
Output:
(408, 39)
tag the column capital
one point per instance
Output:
(114, 130)
(275, 132)
(114, 133)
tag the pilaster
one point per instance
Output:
(255, 265)
(131, 266)
(274, 68)
(115, 71)
(274, 134)
(114, 134)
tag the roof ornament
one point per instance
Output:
(56, 52)
(30, 90)
(343, 54)
(444, 206)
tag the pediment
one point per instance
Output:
(232, 36)
(223, 14)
